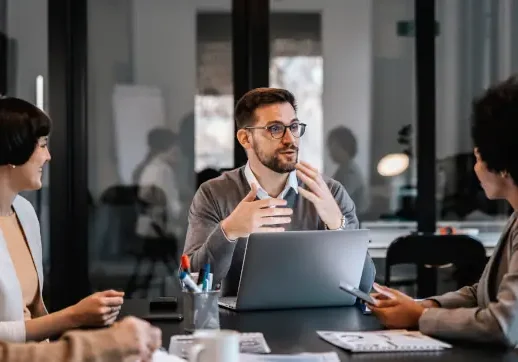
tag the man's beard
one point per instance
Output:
(274, 162)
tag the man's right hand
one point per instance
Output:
(252, 215)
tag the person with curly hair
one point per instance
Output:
(488, 310)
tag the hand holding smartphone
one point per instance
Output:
(358, 293)
(383, 291)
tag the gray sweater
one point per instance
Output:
(217, 198)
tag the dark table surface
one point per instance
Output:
(294, 331)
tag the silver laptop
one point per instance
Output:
(299, 269)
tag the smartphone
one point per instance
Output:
(364, 308)
(163, 305)
(358, 293)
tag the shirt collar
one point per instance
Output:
(292, 182)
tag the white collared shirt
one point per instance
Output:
(292, 182)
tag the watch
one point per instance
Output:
(342, 224)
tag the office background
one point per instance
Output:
(400, 74)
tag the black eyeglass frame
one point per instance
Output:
(268, 128)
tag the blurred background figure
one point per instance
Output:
(159, 140)
(158, 186)
(159, 225)
(342, 149)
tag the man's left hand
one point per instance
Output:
(398, 311)
(319, 194)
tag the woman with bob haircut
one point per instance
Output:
(24, 131)
(488, 310)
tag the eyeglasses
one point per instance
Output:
(278, 130)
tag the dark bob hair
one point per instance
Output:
(495, 127)
(21, 125)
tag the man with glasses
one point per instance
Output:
(273, 192)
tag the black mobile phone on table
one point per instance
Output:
(163, 308)
(178, 317)
(163, 305)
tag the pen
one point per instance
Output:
(201, 277)
(210, 282)
(206, 278)
(189, 283)
(185, 264)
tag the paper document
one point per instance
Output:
(303, 357)
(248, 343)
(383, 341)
(160, 356)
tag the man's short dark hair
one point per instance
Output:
(495, 127)
(246, 106)
(21, 125)
(344, 137)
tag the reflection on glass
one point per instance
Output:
(473, 52)
(302, 75)
(335, 57)
(159, 120)
(214, 132)
(343, 149)
(393, 164)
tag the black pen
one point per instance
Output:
(201, 277)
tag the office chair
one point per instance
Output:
(403, 277)
(115, 218)
(430, 252)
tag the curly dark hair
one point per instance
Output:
(495, 127)
(21, 125)
(246, 106)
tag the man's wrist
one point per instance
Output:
(227, 231)
(336, 224)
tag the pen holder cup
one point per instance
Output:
(200, 310)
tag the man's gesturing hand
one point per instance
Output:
(319, 194)
(252, 215)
